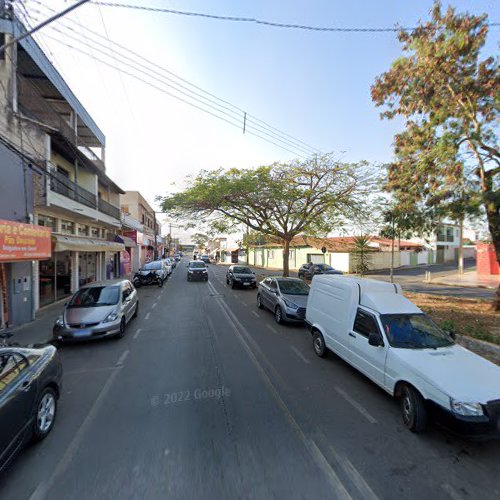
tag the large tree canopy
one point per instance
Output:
(447, 158)
(280, 200)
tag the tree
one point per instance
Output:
(200, 240)
(447, 157)
(280, 201)
(361, 254)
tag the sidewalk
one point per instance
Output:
(38, 331)
(468, 279)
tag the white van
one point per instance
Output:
(373, 327)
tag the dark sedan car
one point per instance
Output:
(30, 384)
(241, 276)
(197, 270)
(307, 271)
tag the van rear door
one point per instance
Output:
(368, 359)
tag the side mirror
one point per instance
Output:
(375, 340)
(452, 334)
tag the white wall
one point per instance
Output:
(405, 258)
(340, 261)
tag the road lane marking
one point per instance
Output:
(245, 339)
(272, 328)
(332, 476)
(44, 487)
(136, 334)
(123, 357)
(299, 354)
(255, 313)
(356, 405)
(90, 370)
(147, 316)
(154, 305)
(452, 492)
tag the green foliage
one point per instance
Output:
(200, 239)
(361, 254)
(447, 161)
(279, 201)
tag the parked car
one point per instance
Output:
(177, 257)
(98, 310)
(30, 385)
(168, 266)
(241, 276)
(173, 262)
(285, 297)
(307, 271)
(205, 259)
(197, 270)
(373, 327)
(152, 273)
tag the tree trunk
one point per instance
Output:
(461, 249)
(286, 258)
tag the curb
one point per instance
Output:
(461, 285)
(480, 347)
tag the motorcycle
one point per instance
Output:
(147, 279)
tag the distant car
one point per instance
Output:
(98, 310)
(168, 266)
(177, 257)
(285, 297)
(307, 271)
(205, 259)
(157, 267)
(241, 276)
(30, 385)
(197, 270)
(172, 262)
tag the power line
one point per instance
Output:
(259, 125)
(237, 125)
(259, 21)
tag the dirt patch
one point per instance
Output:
(470, 317)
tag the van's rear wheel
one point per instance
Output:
(319, 344)
(413, 409)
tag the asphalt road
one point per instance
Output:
(206, 397)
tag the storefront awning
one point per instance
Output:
(128, 242)
(76, 244)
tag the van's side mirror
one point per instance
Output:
(375, 340)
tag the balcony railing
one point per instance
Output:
(60, 184)
(108, 209)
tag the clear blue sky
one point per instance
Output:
(315, 86)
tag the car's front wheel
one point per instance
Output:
(121, 332)
(46, 410)
(319, 344)
(278, 315)
(259, 302)
(413, 409)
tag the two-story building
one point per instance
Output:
(43, 120)
(149, 242)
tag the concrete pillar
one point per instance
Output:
(36, 285)
(75, 273)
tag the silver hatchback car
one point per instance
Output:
(285, 297)
(98, 310)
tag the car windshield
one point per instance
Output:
(293, 287)
(197, 265)
(152, 266)
(242, 270)
(414, 331)
(324, 267)
(96, 296)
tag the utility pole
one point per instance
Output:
(392, 249)
(41, 25)
(461, 248)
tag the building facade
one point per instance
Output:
(149, 242)
(58, 142)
